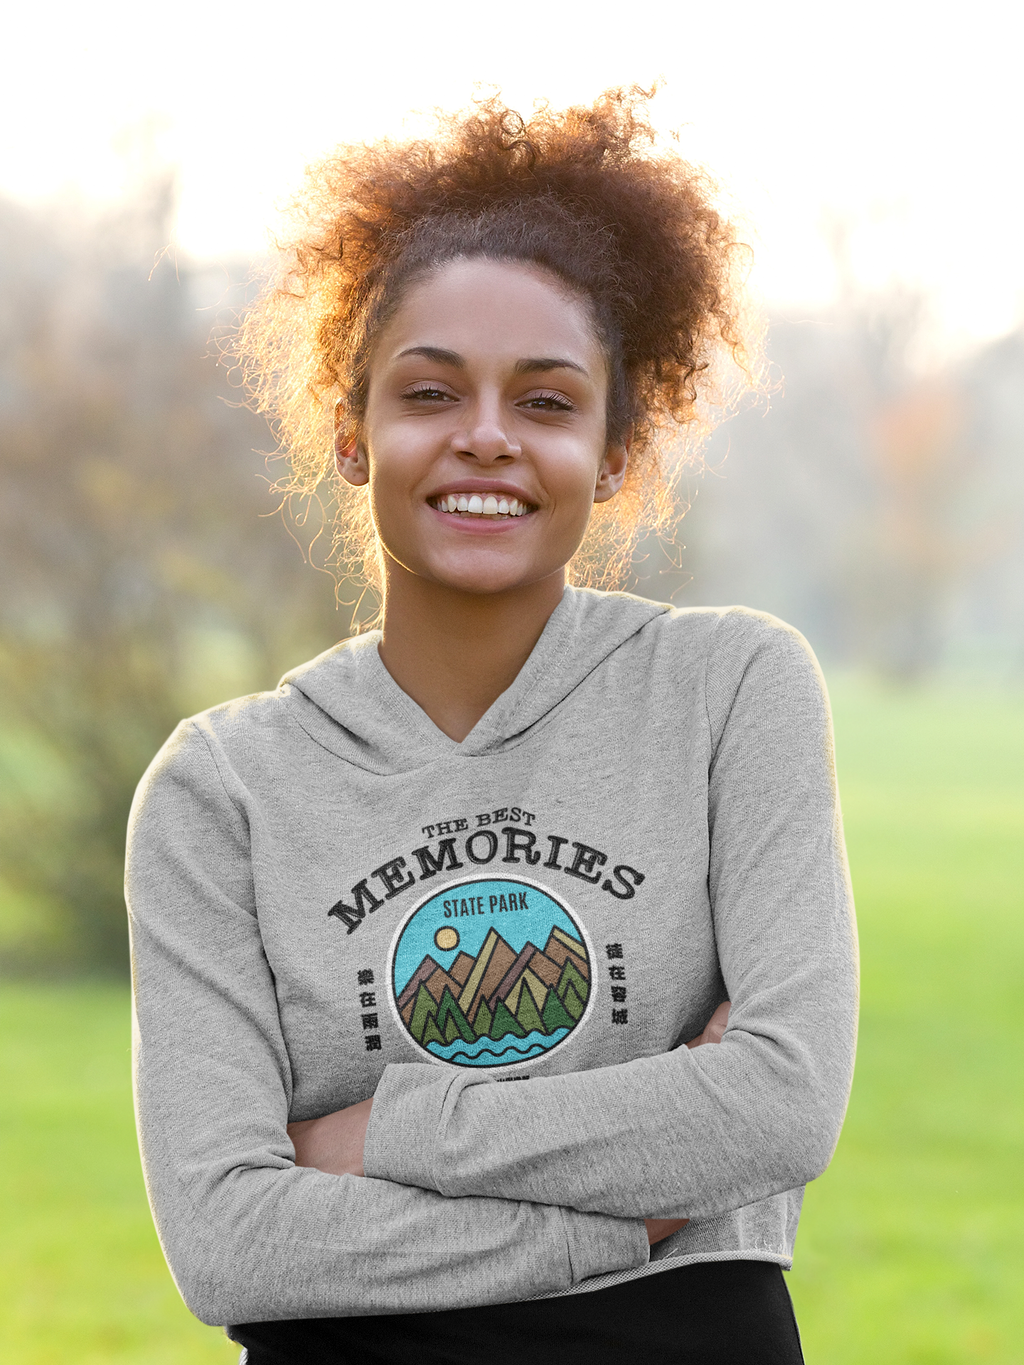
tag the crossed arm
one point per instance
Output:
(334, 1143)
(255, 1221)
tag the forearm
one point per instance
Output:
(686, 1134)
(278, 1243)
(334, 1144)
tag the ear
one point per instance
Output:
(349, 459)
(613, 469)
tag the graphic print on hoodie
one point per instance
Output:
(490, 972)
(493, 969)
(331, 899)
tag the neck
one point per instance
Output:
(454, 652)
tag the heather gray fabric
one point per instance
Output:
(331, 899)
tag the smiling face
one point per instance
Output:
(484, 437)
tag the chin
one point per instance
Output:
(487, 579)
(483, 584)
(487, 573)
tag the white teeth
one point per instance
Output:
(475, 505)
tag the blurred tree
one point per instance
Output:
(140, 582)
(918, 545)
(876, 505)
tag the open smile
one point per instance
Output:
(477, 505)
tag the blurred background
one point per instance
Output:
(876, 501)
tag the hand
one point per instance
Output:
(714, 1028)
(335, 1142)
(660, 1228)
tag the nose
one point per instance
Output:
(486, 436)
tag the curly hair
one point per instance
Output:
(585, 195)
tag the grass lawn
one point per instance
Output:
(82, 1278)
(910, 1247)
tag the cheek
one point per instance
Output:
(573, 471)
(389, 506)
(397, 461)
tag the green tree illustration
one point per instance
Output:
(505, 1023)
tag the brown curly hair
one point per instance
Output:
(585, 195)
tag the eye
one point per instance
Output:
(428, 393)
(548, 402)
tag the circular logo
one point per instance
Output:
(490, 972)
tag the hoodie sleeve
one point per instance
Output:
(248, 1235)
(691, 1133)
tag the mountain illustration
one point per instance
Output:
(436, 981)
(498, 992)
(461, 968)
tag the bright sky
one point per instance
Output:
(901, 118)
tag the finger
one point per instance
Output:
(718, 1023)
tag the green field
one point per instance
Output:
(911, 1246)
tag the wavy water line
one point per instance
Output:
(534, 1051)
(535, 1044)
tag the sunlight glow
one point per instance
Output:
(903, 126)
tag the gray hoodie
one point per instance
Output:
(331, 899)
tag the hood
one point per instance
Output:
(348, 701)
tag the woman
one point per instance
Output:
(525, 832)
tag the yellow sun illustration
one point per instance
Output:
(446, 938)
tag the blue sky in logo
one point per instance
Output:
(517, 927)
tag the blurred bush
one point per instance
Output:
(145, 573)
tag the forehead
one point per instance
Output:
(493, 310)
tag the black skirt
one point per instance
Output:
(711, 1313)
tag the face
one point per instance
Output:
(484, 438)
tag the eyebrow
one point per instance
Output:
(532, 365)
(535, 366)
